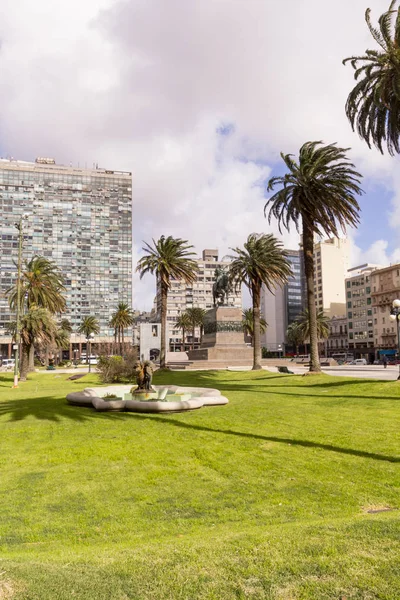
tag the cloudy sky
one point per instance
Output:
(196, 98)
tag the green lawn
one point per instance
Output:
(265, 498)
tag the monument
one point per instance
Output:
(223, 338)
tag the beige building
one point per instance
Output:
(182, 296)
(360, 311)
(385, 288)
(331, 261)
(337, 342)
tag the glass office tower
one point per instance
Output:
(79, 218)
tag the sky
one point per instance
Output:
(197, 99)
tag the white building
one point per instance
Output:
(331, 262)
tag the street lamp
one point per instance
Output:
(395, 316)
(280, 350)
(89, 341)
(19, 226)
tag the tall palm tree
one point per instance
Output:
(303, 324)
(121, 320)
(262, 261)
(169, 258)
(295, 335)
(248, 323)
(196, 319)
(37, 325)
(373, 106)
(42, 285)
(183, 323)
(318, 194)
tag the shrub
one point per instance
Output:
(111, 397)
(118, 369)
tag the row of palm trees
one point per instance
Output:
(188, 321)
(298, 332)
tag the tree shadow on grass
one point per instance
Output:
(48, 408)
(280, 440)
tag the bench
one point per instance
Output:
(282, 369)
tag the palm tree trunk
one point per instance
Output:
(31, 365)
(164, 295)
(24, 361)
(193, 333)
(183, 340)
(308, 253)
(119, 341)
(123, 340)
(256, 293)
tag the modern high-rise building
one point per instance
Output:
(182, 296)
(331, 263)
(79, 218)
(282, 307)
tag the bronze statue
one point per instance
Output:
(221, 287)
(144, 375)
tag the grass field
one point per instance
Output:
(265, 498)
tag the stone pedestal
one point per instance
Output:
(223, 337)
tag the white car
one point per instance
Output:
(92, 360)
(8, 363)
(360, 361)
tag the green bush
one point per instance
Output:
(118, 369)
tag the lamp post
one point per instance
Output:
(89, 341)
(395, 316)
(280, 350)
(20, 227)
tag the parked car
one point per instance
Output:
(359, 361)
(8, 363)
(92, 360)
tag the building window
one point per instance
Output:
(349, 294)
(351, 335)
(369, 301)
(368, 290)
(348, 284)
(375, 321)
(349, 315)
(349, 305)
(350, 325)
(154, 330)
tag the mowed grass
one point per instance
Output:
(265, 498)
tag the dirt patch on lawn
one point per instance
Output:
(7, 590)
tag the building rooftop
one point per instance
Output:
(49, 164)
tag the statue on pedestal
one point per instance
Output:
(221, 287)
(144, 375)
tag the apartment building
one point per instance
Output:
(79, 218)
(331, 262)
(182, 296)
(360, 326)
(337, 342)
(385, 288)
(284, 305)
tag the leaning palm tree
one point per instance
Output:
(183, 323)
(121, 320)
(196, 319)
(37, 325)
(262, 261)
(373, 106)
(169, 258)
(248, 323)
(295, 335)
(318, 194)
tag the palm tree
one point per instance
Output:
(183, 322)
(37, 325)
(196, 319)
(318, 194)
(373, 106)
(303, 324)
(169, 258)
(262, 261)
(89, 325)
(295, 336)
(42, 285)
(120, 320)
(248, 323)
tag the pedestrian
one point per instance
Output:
(384, 361)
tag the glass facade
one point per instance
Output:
(79, 218)
(294, 294)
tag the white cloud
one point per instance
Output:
(144, 86)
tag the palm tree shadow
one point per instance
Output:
(48, 408)
(280, 440)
